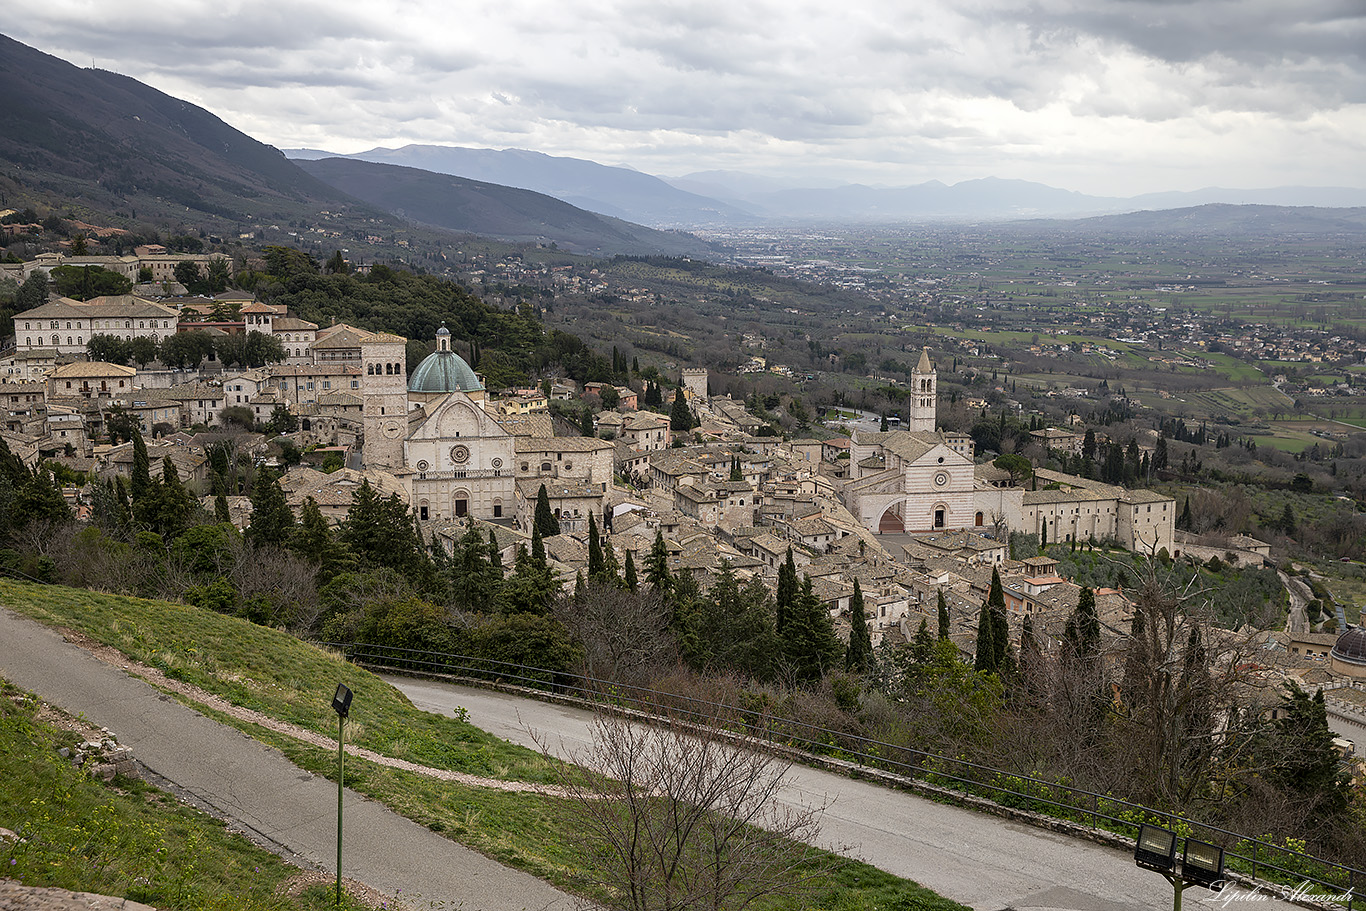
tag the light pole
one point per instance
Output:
(1202, 863)
(341, 704)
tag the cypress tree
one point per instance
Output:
(595, 565)
(860, 642)
(141, 477)
(546, 522)
(538, 549)
(631, 582)
(1000, 628)
(657, 565)
(611, 569)
(786, 595)
(985, 658)
(680, 416)
(943, 616)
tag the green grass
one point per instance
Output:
(128, 840)
(273, 673)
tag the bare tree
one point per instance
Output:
(625, 634)
(1182, 695)
(687, 819)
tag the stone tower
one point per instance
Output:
(384, 398)
(925, 391)
(694, 379)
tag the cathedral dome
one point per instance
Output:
(1351, 647)
(443, 370)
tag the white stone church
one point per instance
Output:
(924, 480)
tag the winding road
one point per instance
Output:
(263, 793)
(980, 860)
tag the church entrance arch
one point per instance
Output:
(893, 521)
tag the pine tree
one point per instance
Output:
(809, 642)
(1302, 757)
(943, 616)
(922, 646)
(314, 540)
(1287, 522)
(272, 521)
(860, 641)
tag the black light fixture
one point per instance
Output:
(1202, 863)
(1155, 849)
(341, 704)
(341, 700)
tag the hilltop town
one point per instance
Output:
(910, 513)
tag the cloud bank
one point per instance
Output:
(1104, 96)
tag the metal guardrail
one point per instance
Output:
(1255, 858)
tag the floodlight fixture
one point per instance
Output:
(1202, 864)
(1155, 849)
(341, 700)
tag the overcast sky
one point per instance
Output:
(1103, 96)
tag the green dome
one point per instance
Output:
(443, 370)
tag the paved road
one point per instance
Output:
(982, 861)
(245, 781)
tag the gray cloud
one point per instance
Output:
(1086, 94)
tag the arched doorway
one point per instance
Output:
(893, 521)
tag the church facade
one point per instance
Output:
(924, 480)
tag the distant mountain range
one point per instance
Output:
(618, 192)
(737, 199)
(111, 149)
(490, 210)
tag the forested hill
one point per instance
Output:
(113, 142)
(490, 210)
(508, 346)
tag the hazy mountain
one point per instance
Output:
(618, 192)
(460, 204)
(111, 142)
(1225, 220)
(1323, 197)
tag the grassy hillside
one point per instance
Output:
(271, 672)
(128, 840)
